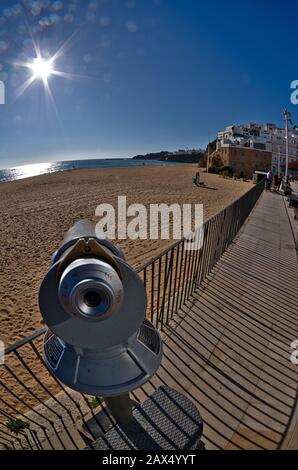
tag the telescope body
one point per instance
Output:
(94, 304)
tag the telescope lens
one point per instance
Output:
(91, 289)
(92, 299)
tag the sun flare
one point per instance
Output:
(42, 69)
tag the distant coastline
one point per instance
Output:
(181, 156)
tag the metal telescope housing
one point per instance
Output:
(94, 304)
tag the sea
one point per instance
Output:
(27, 171)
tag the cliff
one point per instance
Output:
(194, 156)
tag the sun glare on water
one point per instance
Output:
(27, 171)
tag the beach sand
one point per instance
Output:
(36, 212)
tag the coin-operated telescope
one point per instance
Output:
(94, 304)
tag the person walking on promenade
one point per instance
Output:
(282, 184)
(276, 182)
(269, 181)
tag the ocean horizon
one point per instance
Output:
(36, 169)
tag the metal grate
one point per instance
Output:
(168, 420)
(149, 337)
(54, 349)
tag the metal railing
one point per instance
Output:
(38, 412)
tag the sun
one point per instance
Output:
(41, 68)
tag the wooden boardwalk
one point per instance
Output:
(229, 350)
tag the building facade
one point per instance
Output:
(267, 137)
(244, 160)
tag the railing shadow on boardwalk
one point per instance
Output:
(38, 412)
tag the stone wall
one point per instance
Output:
(244, 161)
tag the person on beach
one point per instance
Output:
(196, 179)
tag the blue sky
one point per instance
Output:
(147, 75)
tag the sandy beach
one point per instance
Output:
(36, 212)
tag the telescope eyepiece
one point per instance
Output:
(92, 299)
(90, 289)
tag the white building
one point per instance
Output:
(262, 137)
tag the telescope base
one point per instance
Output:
(166, 421)
(121, 409)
